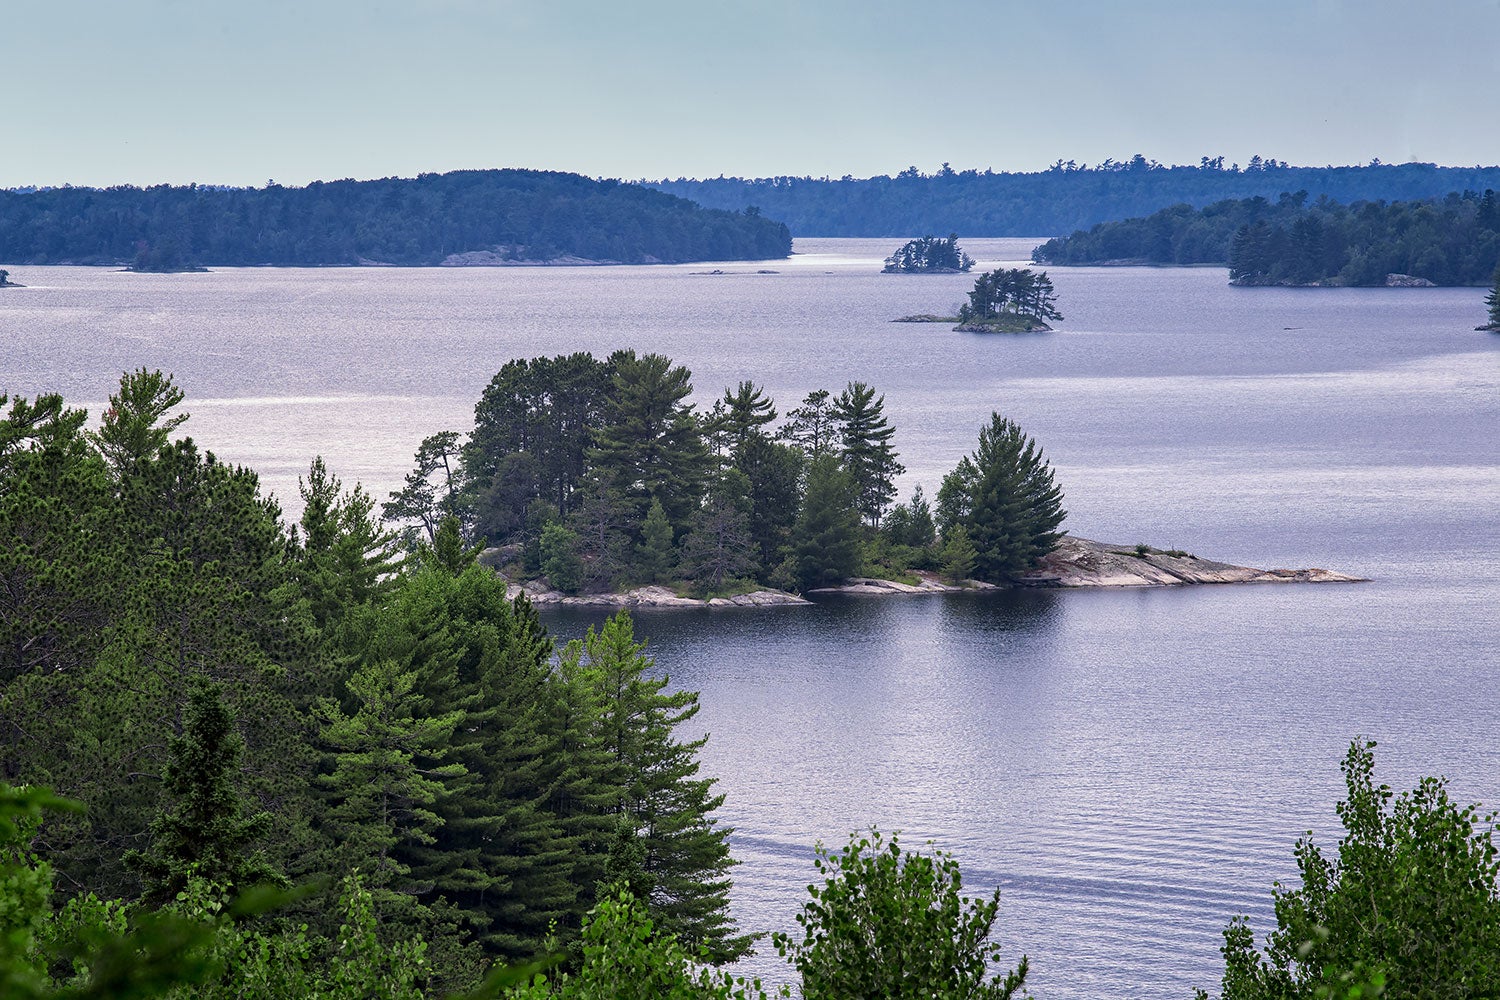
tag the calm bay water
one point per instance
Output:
(1132, 768)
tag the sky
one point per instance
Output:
(100, 92)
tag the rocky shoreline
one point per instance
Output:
(1076, 563)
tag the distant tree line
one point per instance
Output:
(1454, 240)
(928, 253)
(600, 474)
(1065, 197)
(527, 214)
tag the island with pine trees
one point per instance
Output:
(599, 481)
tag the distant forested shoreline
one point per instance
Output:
(1065, 197)
(501, 215)
(1454, 240)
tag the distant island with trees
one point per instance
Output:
(1006, 300)
(463, 217)
(929, 255)
(1060, 199)
(1454, 240)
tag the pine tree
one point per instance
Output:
(813, 426)
(201, 832)
(718, 545)
(1004, 498)
(747, 411)
(649, 442)
(658, 794)
(826, 546)
(867, 452)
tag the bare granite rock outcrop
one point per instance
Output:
(1081, 562)
(1076, 563)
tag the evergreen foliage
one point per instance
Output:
(515, 214)
(201, 831)
(1450, 240)
(928, 254)
(867, 453)
(1011, 291)
(1004, 499)
(1493, 300)
(655, 793)
(657, 555)
(826, 543)
(1412, 895)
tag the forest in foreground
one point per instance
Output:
(524, 215)
(240, 758)
(1063, 198)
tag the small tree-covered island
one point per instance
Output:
(929, 255)
(1006, 300)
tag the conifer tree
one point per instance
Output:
(826, 545)
(718, 545)
(134, 428)
(867, 452)
(658, 793)
(747, 410)
(649, 443)
(813, 426)
(1004, 498)
(1493, 300)
(388, 771)
(201, 831)
(655, 556)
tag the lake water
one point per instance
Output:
(1131, 768)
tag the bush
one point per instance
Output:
(1411, 900)
(895, 925)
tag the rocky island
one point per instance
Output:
(1075, 564)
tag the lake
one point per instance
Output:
(1131, 768)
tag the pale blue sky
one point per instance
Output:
(107, 91)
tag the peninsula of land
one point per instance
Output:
(1075, 564)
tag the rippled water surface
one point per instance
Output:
(1131, 768)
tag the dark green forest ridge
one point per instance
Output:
(525, 214)
(1454, 240)
(1060, 199)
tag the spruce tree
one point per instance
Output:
(658, 794)
(1004, 498)
(501, 857)
(718, 545)
(655, 556)
(388, 771)
(201, 830)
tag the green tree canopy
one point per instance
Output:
(1412, 893)
(1004, 498)
(893, 924)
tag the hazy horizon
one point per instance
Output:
(168, 91)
